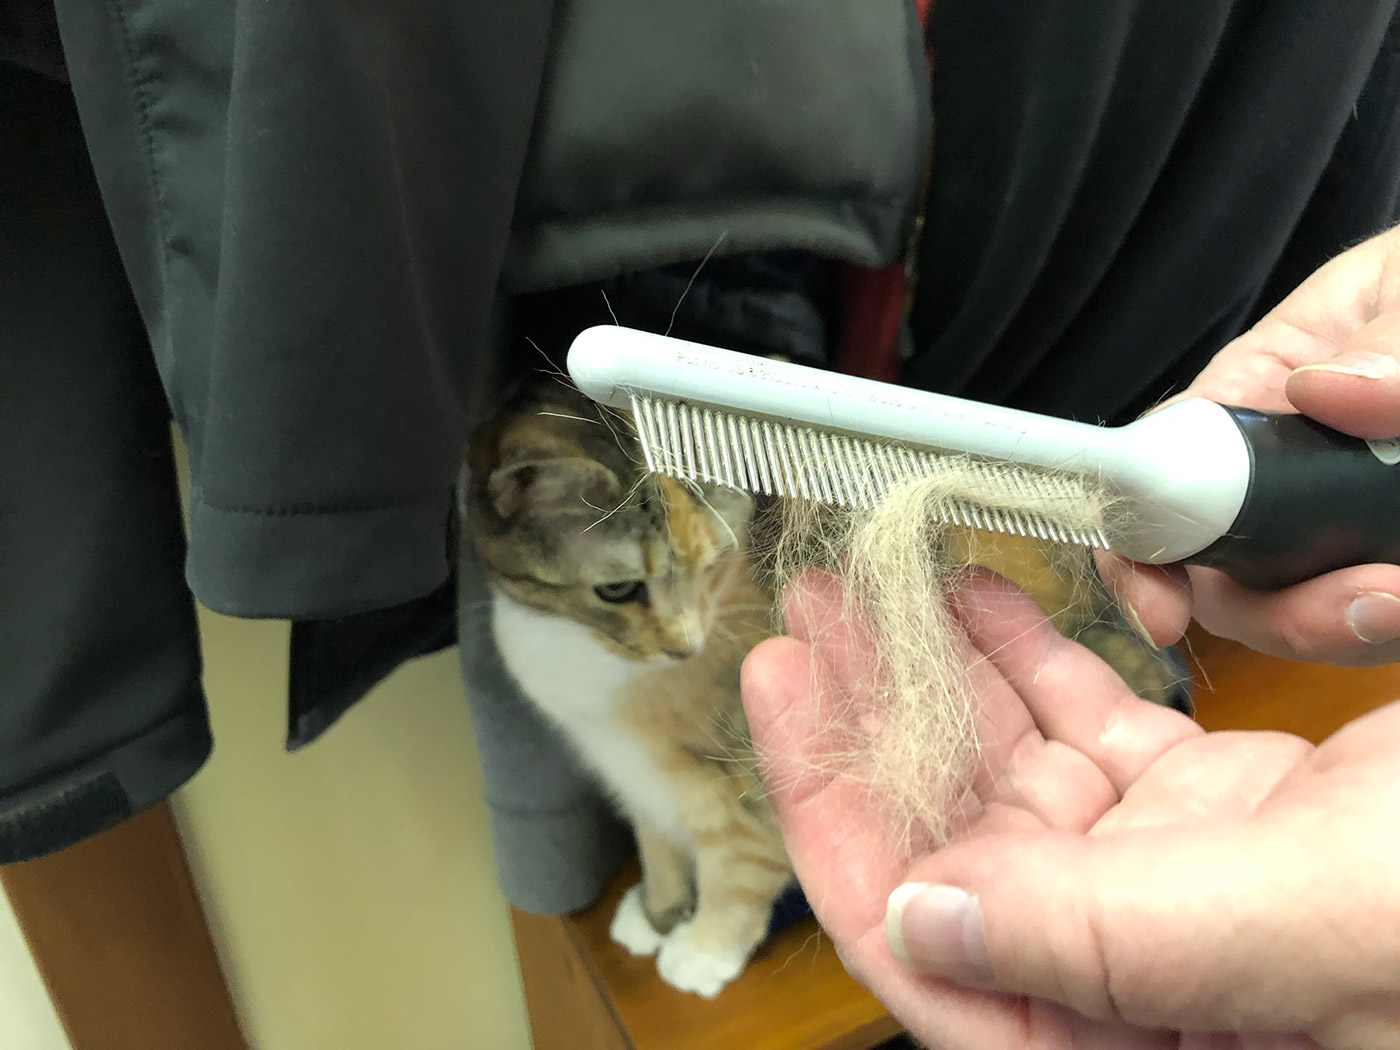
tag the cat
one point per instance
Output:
(624, 604)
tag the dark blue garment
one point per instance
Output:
(788, 910)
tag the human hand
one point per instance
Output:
(1136, 877)
(1331, 351)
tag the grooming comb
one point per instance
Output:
(1270, 499)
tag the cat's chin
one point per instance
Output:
(636, 656)
(640, 657)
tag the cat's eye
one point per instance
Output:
(622, 591)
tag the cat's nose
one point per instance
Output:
(684, 637)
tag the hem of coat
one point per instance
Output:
(315, 563)
(561, 860)
(97, 795)
(556, 253)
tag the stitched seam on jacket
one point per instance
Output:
(298, 512)
(141, 102)
(329, 509)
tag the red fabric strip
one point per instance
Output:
(873, 310)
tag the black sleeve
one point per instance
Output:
(101, 711)
(1120, 186)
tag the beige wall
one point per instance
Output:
(27, 1018)
(349, 887)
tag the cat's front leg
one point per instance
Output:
(740, 872)
(630, 926)
(661, 901)
(700, 963)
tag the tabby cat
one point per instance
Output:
(623, 605)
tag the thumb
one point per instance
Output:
(1357, 391)
(1161, 928)
(1156, 599)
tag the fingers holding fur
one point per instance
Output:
(841, 850)
(777, 683)
(1074, 697)
(1156, 599)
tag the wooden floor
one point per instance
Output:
(793, 996)
(1239, 689)
(587, 993)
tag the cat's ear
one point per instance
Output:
(734, 507)
(552, 487)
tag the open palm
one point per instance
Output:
(1137, 877)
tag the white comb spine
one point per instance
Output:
(1184, 469)
(610, 364)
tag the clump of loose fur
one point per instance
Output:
(913, 740)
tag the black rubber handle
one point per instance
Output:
(1317, 501)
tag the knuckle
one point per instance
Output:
(1293, 635)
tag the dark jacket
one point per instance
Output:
(314, 210)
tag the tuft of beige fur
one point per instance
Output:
(912, 743)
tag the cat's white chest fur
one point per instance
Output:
(579, 683)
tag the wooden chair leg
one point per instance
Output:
(568, 1010)
(119, 937)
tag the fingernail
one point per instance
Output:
(1374, 617)
(938, 930)
(1361, 363)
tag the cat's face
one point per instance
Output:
(568, 523)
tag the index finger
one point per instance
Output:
(1074, 697)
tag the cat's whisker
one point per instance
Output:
(763, 625)
(722, 733)
(611, 312)
(732, 635)
(553, 369)
(731, 759)
(606, 516)
(626, 499)
(731, 630)
(691, 283)
(577, 419)
(696, 491)
(610, 418)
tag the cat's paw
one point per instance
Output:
(702, 971)
(630, 926)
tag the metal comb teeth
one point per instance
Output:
(702, 444)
